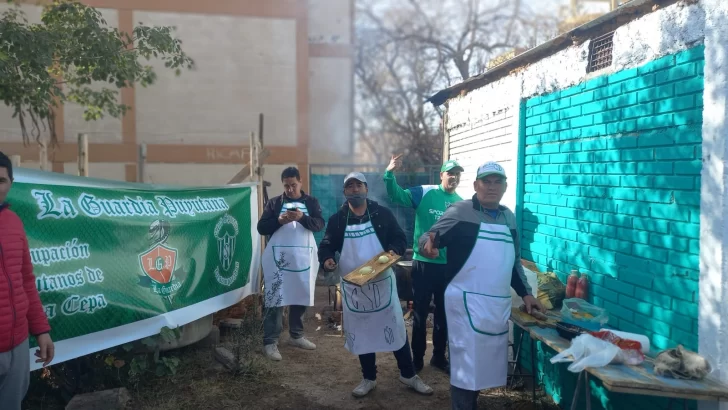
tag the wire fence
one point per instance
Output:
(327, 185)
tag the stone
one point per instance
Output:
(226, 357)
(231, 323)
(113, 399)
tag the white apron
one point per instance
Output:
(289, 264)
(373, 318)
(477, 307)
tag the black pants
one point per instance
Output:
(428, 279)
(461, 399)
(404, 362)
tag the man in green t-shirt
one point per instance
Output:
(428, 276)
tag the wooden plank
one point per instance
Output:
(83, 155)
(640, 379)
(377, 268)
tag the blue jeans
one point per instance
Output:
(14, 376)
(273, 323)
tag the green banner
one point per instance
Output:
(115, 262)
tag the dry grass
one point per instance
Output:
(201, 383)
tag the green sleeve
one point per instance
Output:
(396, 194)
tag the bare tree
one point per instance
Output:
(410, 49)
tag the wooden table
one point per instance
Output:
(639, 379)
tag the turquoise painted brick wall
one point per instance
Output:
(612, 188)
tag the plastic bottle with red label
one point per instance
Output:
(571, 284)
(582, 287)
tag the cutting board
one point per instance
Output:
(377, 268)
(528, 320)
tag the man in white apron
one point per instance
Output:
(373, 320)
(289, 261)
(481, 237)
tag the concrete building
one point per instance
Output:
(614, 139)
(288, 59)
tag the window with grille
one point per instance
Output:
(600, 52)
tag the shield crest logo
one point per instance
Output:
(226, 250)
(226, 232)
(159, 263)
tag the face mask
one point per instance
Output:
(356, 200)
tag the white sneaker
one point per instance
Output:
(271, 352)
(417, 385)
(302, 343)
(364, 388)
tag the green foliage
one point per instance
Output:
(139, 363)
(44, 65)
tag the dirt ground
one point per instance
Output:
(320, 379)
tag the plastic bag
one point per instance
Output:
(551, 291)
(587, 351)
(582, 313)
(630, 350)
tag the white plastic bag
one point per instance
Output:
(588, 351)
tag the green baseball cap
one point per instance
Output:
(450, 165)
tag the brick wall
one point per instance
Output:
(612, 188)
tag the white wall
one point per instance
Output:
(713, 313)
(244, 66)
(330, 99)
(483, 128)
(329, 21)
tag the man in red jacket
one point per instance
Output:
(21, 312)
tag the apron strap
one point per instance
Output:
(512, 231)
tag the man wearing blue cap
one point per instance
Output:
(428, 278)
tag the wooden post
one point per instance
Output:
(43, 155)
(141, 162)
(15, 161)
(82, 155)
(252, 155)
(260, 170)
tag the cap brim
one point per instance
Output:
(354, 179)
(485, 174)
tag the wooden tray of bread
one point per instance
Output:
(372, 268)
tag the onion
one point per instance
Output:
(366, 270)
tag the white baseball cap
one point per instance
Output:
(490, 168)
(355, 175)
